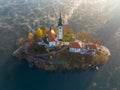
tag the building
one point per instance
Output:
(84, 48)
(51, 37)
(40, 41)
(60, 29)
(92, 46)
(75, 47)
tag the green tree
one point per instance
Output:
(45, 40)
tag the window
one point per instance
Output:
(60, 27)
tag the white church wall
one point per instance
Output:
(60, 32)
(52, 44)
(77, 50)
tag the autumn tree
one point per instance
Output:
(30, 35)
(96, 41)
(67, 31)
(39, 33)
(84, 36)
(56, 29)
(21, 41)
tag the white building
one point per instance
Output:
(75, 47)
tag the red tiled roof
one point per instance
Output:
(51, 35)
(92, 46)
(75, 45)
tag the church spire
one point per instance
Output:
(60, 21)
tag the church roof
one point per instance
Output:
(92, 46)
(76, 44)
(51, 35)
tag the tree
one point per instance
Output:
(39, 33)
(67, 31)
(84, 36)
(96, 41)
(44, 29)
(21, 41)
(56, 29)
(45, 40)
(30, 36)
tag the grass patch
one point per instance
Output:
(67, 39)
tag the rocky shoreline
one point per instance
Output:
(62, 60)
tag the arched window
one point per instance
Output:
(60, 27)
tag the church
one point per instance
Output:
(77, 46)
(52, 37)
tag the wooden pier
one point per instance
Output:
(16, 52)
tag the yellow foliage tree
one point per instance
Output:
(30, 36)
(39, 33)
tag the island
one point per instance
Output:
(61, 49)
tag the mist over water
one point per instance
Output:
(17, 18)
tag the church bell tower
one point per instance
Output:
(60, 29)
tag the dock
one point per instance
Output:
(16, 52)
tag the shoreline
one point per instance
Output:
(50, 65)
